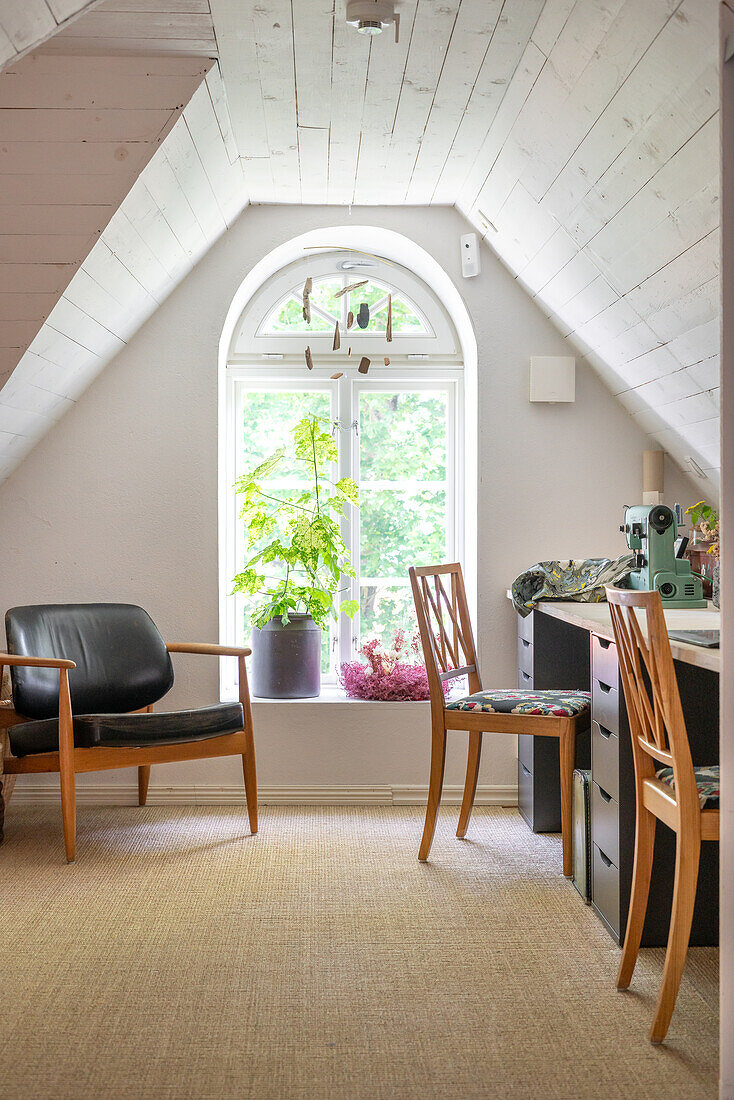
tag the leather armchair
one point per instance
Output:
(85, 678)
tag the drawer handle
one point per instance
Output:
(524, 642)
(526, 770)
(603, 793)
(606, 688)
(604, 642)
(606, 734)
(605, 859)
(525, 674)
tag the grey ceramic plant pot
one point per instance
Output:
(286, 660)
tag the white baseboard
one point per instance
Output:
(109, 794)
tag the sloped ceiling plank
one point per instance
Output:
(147, 26)
(508, 42)
(602, 197)
(25, 24)
(152, 241)
(49, 224)
(385, 73)
(239, 62)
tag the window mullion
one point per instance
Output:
(344, 436)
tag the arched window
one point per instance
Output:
(398, 427)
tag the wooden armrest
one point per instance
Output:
(205, 647)
(35, 662)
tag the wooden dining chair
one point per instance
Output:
(84, 680)
(668, 787)
(449, 652)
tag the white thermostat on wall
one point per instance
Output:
(552, 378)
(471, 263)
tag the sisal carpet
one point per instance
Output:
(182, 958)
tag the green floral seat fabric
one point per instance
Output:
(708, 782)
(548, 704)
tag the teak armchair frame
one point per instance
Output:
(658, 731)
(449, 652)
(70, 760)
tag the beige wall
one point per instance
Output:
(119, 501)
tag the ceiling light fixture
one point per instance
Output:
(371, 17)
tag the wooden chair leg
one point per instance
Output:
(470, 785)
(435, 784)
(248, 769)
(688, 851)
(143, 781)
(68, 807)
(67, 778)
(644, 849)
(568, 758)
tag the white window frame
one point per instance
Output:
(243, 376)
(439, 339)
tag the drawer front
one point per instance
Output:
(605, 759)
(605, 822)
(604, 664)
(525, 627)
(525, 655)
(605, 887)
(525, 791)
(605, 705)
(524, 679)
(525, 750)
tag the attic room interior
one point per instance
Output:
(365, 451)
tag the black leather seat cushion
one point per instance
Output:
(129, 730)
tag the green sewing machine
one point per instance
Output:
(651, 531)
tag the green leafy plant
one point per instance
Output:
(706, 519)
(299, 531)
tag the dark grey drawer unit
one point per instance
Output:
(550, 655)
(613, 805)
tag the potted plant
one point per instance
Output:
(299, 560)
(705, 521)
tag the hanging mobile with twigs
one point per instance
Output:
(307, 289)
(388, 327)
(337, 338)
(351, 286)
(309, 359)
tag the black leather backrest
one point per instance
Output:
(121, 660)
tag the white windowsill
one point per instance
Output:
(332, 693)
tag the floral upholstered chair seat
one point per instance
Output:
(550, 704)
(707, 780)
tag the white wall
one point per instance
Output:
(119, 500)
(727, 558)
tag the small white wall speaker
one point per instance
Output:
(552, 378)
(471, 263)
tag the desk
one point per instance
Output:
(571, 645)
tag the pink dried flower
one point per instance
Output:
(386, 676)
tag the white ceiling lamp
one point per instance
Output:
(372, 17)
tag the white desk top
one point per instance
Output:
(595, 618)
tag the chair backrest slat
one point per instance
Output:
(650, 686)
(445, 627)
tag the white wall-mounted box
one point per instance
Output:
(552, 378)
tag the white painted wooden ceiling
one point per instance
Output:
(25, 24)
(578, 136)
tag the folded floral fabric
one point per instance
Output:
(582, 580)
